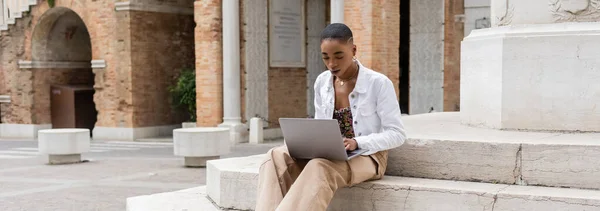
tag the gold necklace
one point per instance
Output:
(342, 82)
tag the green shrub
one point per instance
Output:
(184, 92)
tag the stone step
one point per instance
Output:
(402, 193)
(192, 199)
(231, 184)
(439, 147)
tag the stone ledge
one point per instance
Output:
(17, 14)
(52, 64)
(192, 199)
(4, 99)
(567, 28)
(439, 147)
(128, 6)
(394, 193)
(477, 4)
(231, 184)
(97, 64)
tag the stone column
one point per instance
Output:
(256, 58)
(537, 68)
(316, 21)
(231, 71)
(337, 11)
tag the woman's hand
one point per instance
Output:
(350, 144)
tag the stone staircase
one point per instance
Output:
(448, 166)
(232, 185)
(11, 10)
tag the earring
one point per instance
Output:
(354, 58)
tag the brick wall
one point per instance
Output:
(136, 76)
(114, 98)
(453, 35)
(180, 3)
(109, 32)
(16, 83)
(287, 94)
(2, 78)
(376, 28)
(209, 62)
(120, 100)
(161, 44)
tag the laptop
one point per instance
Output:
(315, 138)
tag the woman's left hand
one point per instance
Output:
(350, 144)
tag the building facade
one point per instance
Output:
(253, 58)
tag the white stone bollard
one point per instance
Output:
(197, 145)
(64, 146)
(256, 131)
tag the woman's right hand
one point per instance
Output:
(350, 144)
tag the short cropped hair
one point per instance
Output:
(337, 31)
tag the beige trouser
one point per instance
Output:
(286, 183)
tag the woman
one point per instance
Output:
(365, 104)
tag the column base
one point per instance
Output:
(198, 161)
(64, 159)
(532, 77)
(238, 131)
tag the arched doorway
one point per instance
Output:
(62, 73)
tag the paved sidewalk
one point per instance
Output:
(116, 170)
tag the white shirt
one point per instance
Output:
(375, 110)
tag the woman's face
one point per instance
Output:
(337, 56)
